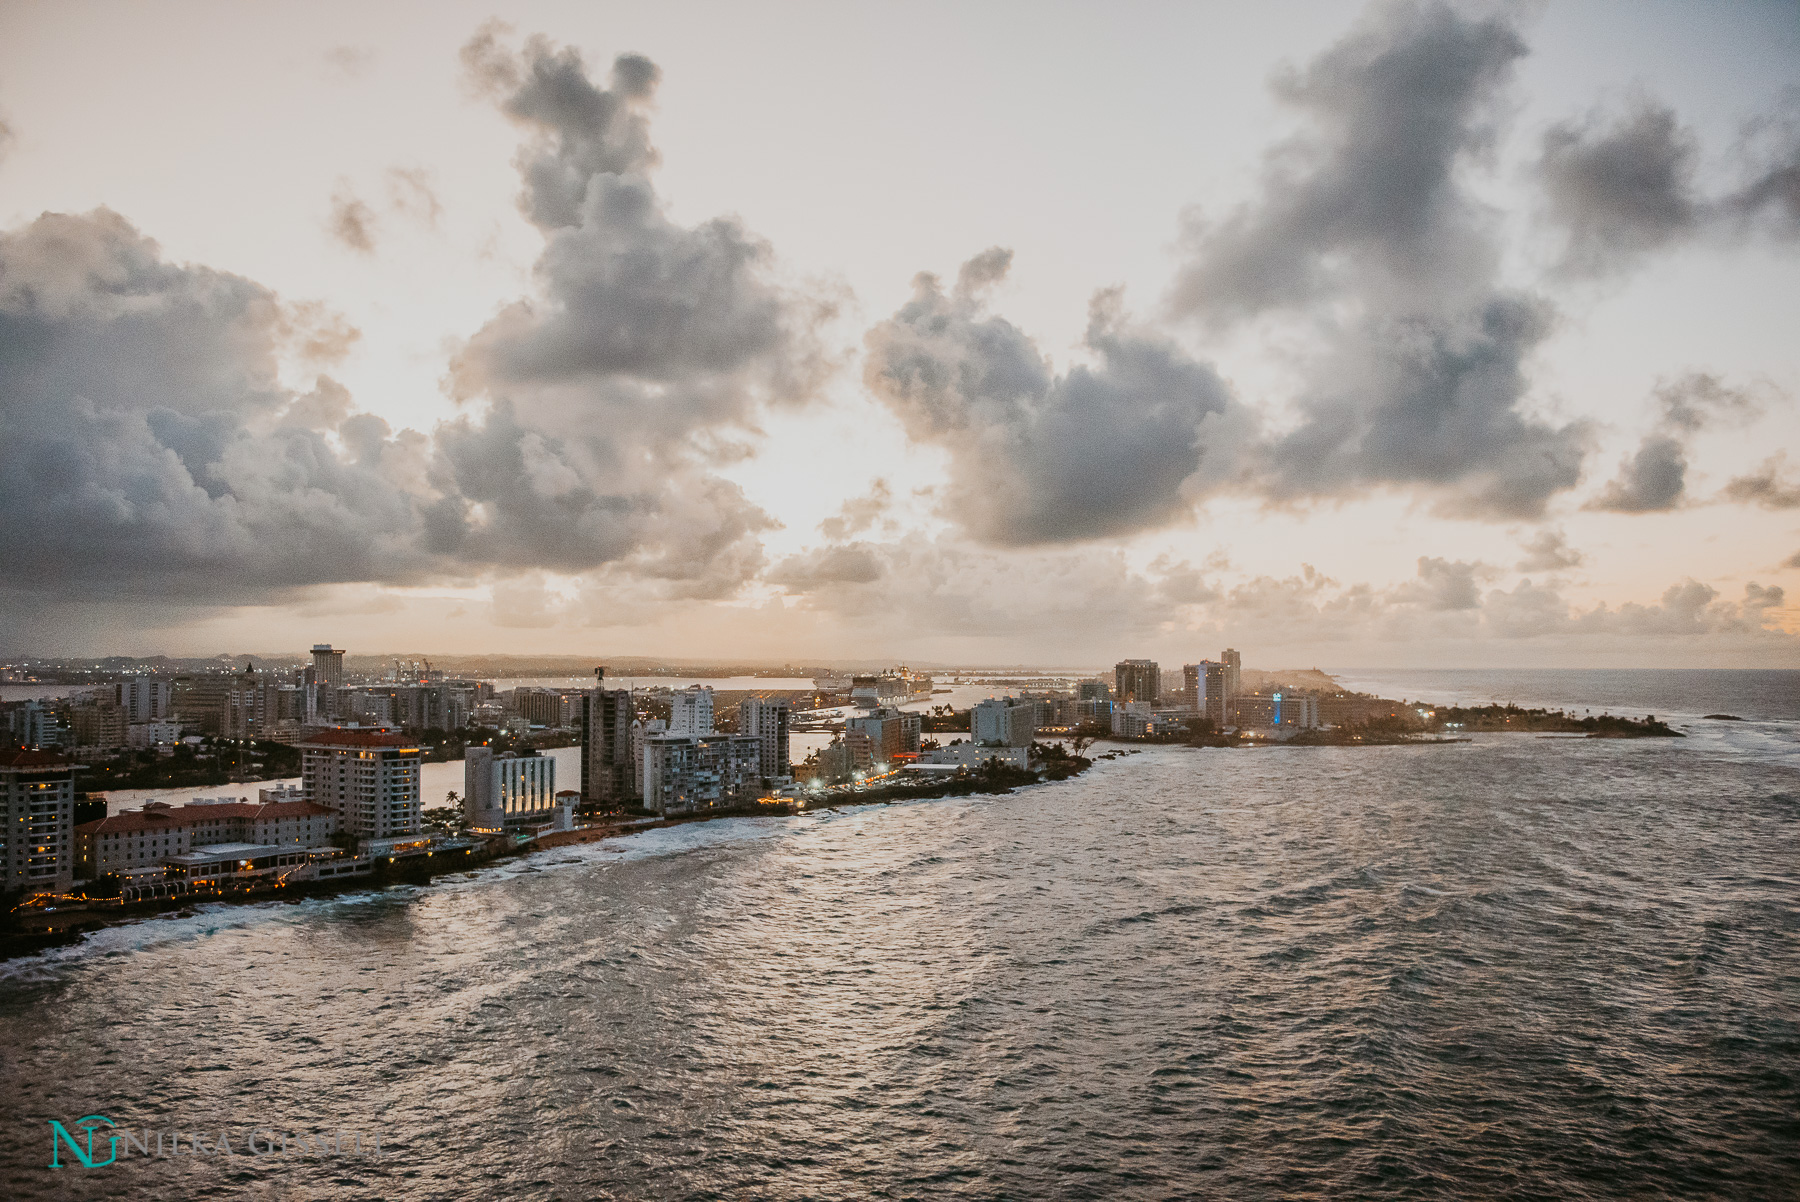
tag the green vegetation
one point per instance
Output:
(1492, 718)
(210, 764)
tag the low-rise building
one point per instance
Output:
(1276, 711)
(684, 774)
(891, 732)
(141, 736)
(1003, 722)
(133, 840)
(976, 755)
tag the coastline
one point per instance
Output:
(74, 923)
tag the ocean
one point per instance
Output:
(1515, 967)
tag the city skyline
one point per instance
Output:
(1409, 335)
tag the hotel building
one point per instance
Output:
(370, 779)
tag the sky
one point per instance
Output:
(1406, 334)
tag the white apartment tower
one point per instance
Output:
(768, 719)
(144, 699)
(502, 792)
(691, 711)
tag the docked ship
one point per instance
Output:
(893, 687)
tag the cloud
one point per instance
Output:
(1037, 457)
(316, 334)
(1654, 478)
(1769, 486)
(348, 62)
(149, 448)
(1625, 184)
(583, 133)
(146, 451)
(943, 595)
(1446, 585)
(858, 514)
(1367, 199)
(1549, 551)
(351, 221)
(1365, 227)
(410, 193)
(643, 360)
(1620, 187)
(7, 138)
(1770, 199)
(854, 563)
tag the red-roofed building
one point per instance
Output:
(369, 778)
(135, 839)
(37, 821)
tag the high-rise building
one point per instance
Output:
(37, 822)
(100, 724)
(547, 707)
(1003, 722)
(608, 780)
(328, 666)
(203, 702)
(369, 778)
(768, 718)
(144, 699)
(508, 792)
(1234, 673)
(1093, 690)
(1136, 680)
(1203, 690)
(691, 711)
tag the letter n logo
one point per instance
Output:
(86, 1125)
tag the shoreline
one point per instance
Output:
(417, 871)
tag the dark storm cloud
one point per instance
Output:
(143, 449)
(1620, 187)
(1364, 226)
(1037, 457)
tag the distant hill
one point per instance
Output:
(1259, 681)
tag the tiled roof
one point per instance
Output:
(18, 757)
(180, 816)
